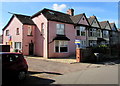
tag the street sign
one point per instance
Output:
(77, 42)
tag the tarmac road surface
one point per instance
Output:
(102, 75)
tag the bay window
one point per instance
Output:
(92, 32)
(61, 46)
(80, 31)
(105, 33)
(92, 42)
(98, 33)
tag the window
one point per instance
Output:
(17, 45)
(92, 42)
(17, 31)
(61, 46)
(29, 31)
(80, 31)
(98, 33)
(105, 34)
(42, 28)
(83, 44)
(7, 32)
(92, 32)
(60, 29)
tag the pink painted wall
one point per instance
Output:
(27, 39)
(84, 22)
(14, 24)
(40, 40)
(69, 32)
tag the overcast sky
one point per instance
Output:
(102, 10)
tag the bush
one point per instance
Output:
(15, 50)
(100, 49)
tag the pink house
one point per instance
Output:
(47, 33)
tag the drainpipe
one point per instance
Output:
(48, 39)
(22, 37)
(87, 36)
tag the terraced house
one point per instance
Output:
(50, 33)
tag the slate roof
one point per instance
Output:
(91, 19)
(25, 19)
(22, 18)
(61, 37)
(76, 18)
(113, 26)
(103, 24)
(54, 16)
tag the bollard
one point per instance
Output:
(78, 55)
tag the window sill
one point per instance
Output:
(61, 52)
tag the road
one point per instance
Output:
(49, 72)
(102, 75)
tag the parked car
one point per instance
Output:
(14, 66)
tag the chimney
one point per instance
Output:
(70, 12)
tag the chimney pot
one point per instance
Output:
(70, 12)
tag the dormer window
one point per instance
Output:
(60, 29)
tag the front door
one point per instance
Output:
(31, 48)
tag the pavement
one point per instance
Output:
(102, 75)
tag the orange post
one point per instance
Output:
(78, 54)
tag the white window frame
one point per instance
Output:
(81, 28)
(59, 46)
(42, 28)
(20, 45)
(98, 33)
(83, 43)
(60, 29)
(93, 42)
(30, 31)
(105, 33)
(93, 31)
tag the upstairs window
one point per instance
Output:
(61, 46)
(29, 31)
(105, 34)
(92, 32)
(42, 28)
(60, 29)
(17, 31)
(7, 32)
(80, 31)
(98, 33)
